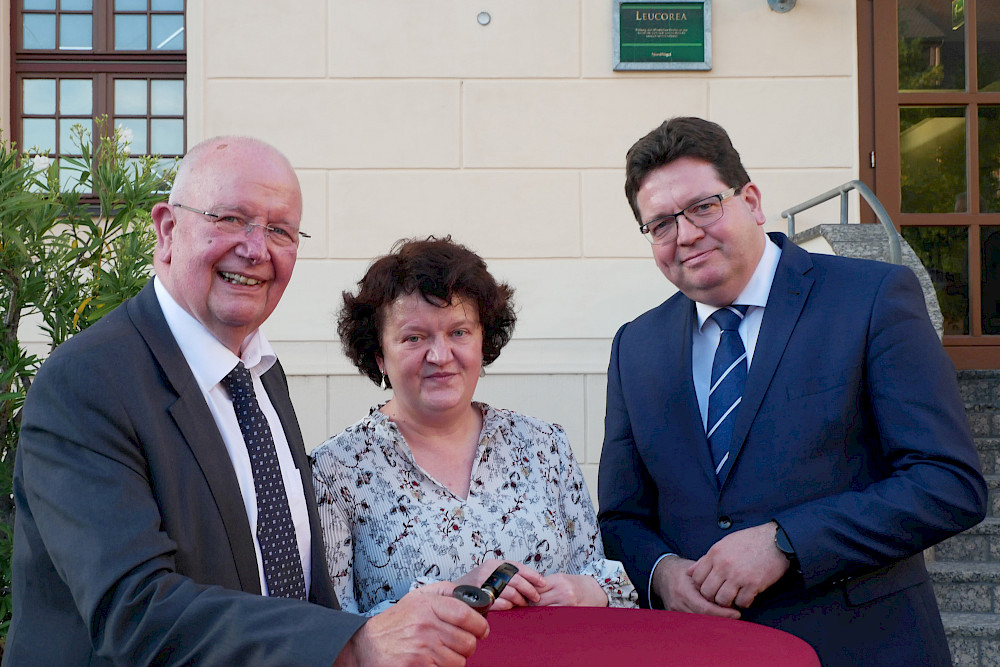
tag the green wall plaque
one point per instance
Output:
(663, 35)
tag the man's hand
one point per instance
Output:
(426, 627)
(523, 589)
(740, 566)
(572, 590)
(674, 585)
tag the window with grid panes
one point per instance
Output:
(76, 60)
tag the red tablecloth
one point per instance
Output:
(576, 636)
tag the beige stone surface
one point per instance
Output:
(443, 38)
(609, 227)
(567, 124)
(789, 122)
(257, 40)
(343, 124)
(581, 299)
(520, 213)
(313, 184)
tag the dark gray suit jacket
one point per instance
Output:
(131, 543)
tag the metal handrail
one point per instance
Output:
(895, 252)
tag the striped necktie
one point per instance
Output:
(279, 548)
(729, 375)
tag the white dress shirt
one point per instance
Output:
(706, 334)
(210, 362)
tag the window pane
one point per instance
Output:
(931, 47)
(76, 5)
(76, 97)
(988, 34)
(168, 5)
(991, 280)
(945, 253)
(989, 159)
(69, 177)
(39, 4)
(130, 5)
(130, 32)
(39, 31)
(130, 97)
(168, 32)
(932, 159)
(39, 96)
(166, 137)
(137, 127)
(38, 134)
(76, 32)
(69, 142)
(167, 98)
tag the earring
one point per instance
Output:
(482, 371)
(383, 382)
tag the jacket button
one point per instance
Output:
(725, 523)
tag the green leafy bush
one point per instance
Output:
(76, 240)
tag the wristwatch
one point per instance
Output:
(784, 546)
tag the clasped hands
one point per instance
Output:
(529, 588)
(728, 577)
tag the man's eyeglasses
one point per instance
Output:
(232, 225)
(702, 213)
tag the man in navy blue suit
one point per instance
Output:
(805, 501)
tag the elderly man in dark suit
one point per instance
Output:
(165, 512)
(784, 436)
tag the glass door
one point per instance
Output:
(936, 90)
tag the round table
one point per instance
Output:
(554, 636)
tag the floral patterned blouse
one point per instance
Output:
(389, 526)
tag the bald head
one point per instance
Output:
(217, 153)
(229, 278)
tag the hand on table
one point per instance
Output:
(523, 589)
(740, 566)
(673, 583)
(426, 627)
(572, 590)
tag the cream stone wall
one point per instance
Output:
(407, 118)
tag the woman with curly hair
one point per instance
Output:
(433, 485)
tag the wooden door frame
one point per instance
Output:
(879, 136)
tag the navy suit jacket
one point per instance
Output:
(131, 542)
(851, 434)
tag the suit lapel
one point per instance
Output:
(680, 412)
(788, 295)
(276, 385)
(195, 422)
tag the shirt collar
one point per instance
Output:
(209, 359)
(756, 291)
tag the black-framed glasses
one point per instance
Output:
(233, 224)
(702, 213)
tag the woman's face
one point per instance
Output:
(432, 355)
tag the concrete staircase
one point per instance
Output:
(966, 568)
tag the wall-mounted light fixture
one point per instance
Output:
(781, 6)
(483, 18)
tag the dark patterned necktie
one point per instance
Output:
(275, 529)
(729, 376)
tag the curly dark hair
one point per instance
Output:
(437, 269)
(682, 136)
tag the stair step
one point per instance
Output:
(993, 489)
(979, 544)
(966, 587)
(974, 639)
(989, 454)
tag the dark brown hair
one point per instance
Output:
(682, 137)
(439, 270)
